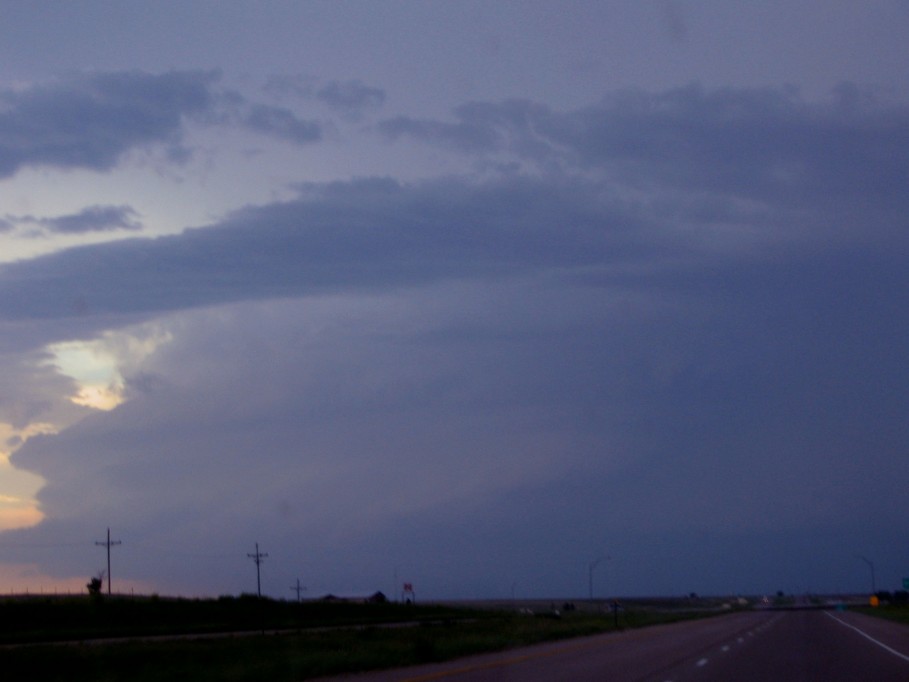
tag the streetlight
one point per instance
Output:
(592, 565)
(871, 566)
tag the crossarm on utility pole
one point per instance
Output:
(108, 543)
(258, 557)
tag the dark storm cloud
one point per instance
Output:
(725, 174)
(628, 348)
(91, 121)
(765, 144)
(365, 235)
(537, 411)
(32, 390)
(90, 219)
(768, 145)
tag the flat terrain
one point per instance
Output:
(150, 639)
(751, 646)
(655, 640)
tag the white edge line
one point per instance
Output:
(867, 636)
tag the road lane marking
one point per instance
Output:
(869, 637)
(726, 647)
(741, 640)
(503, 662)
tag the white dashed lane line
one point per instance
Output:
(701, 662)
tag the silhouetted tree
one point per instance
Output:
(95, 584)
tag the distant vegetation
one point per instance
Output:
(898, 598)
(46, 619)
(316, 638)
(893, 606)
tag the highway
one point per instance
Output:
(781, 646)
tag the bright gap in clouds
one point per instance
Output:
(94, 369)
(96, 364)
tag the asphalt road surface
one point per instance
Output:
(777, 646)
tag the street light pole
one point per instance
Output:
(592, 565)
(871, 566)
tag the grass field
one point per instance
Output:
(898, 613)
(316, 639)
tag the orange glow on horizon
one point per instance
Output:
(15, 513)
(17, 579)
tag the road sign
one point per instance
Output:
(906, 583)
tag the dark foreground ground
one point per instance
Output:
(246, 638)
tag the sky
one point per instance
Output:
(522, 299)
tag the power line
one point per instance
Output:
(108, 543)
(258, 557)
(170, 552)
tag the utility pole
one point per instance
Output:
(258, 557)
(298, 588)
(108, 543)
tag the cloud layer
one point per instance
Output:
(92, 121)
(669, 324)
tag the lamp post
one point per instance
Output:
(592, 565)
(871, 566)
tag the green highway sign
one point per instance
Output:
(906, 583)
